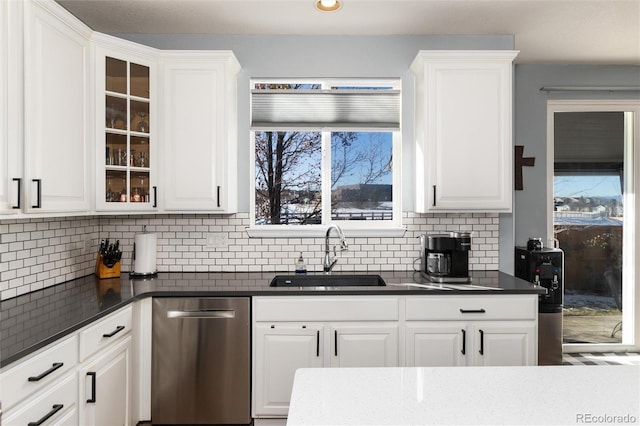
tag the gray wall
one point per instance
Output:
(390, 56)
(530, 215)
(324, 56)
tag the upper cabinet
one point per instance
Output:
(126, 125)
(88, 125)
(57, 111)
(10, 158)
(199, 131)
(463, 132)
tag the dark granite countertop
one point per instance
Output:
(33, 320)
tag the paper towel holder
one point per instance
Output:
(147, 273)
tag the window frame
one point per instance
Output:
(631, 240)
(367, 228)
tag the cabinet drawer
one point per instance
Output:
(320, 308)
(105, 332)
(33, 374)
(58, 402)
(504, 307)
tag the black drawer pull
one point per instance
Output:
(54, 410)
(53, 368)
(114, 332)
(92, 374)
(38, 183)
(19, 205)
(472, 311)
(464, 341)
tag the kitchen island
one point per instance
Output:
(466, 396)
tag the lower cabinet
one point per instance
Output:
(55, 406)
(471, 331)
(368, 344)
(280, 349)
(284, 342)
(105, 386)
(84, 379)
(453, 343)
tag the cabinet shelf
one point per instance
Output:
(127, 179)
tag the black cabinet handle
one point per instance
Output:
(53, 368)
(38, 193)
(472, 311)
(481, 342)
(155, 196)
(19, 193)
(464, 341)
(335, 342)
(218, 192)
(54, 409)
(434, 196)
(92, 374)
(317, 343)
(114, 332)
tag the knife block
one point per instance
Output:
(103, 271)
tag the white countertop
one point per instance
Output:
(553, 395)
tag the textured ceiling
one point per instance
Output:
(545, 31)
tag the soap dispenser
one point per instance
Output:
(301, 267)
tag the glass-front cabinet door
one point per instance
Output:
(126, 158)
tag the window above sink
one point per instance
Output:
(325, 151)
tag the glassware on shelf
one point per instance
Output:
(122, 157)
(142, 160)
(143, 126)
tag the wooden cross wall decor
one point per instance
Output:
(519, 162)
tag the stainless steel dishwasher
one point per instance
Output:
(201, 361)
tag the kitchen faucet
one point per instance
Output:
(328, 262)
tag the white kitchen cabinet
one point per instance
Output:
(54, 381)
(463, 115)
(199, 130)
(55, 406)
(436, 344)
(126, 135)
(451, 343)
(471, 330)
(57, 110)
(280, 349)
(10, 106)
(295, 332)
(368, 344)
(105, 388)
(33, 374)
(506, 343)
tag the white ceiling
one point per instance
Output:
(546, 31)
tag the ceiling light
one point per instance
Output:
(327, 5)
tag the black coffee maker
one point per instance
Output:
(445, 257)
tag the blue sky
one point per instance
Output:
(587, 186)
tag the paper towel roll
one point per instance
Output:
(144, 251)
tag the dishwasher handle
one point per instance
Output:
(206, 313)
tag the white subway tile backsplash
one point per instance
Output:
(38, 253)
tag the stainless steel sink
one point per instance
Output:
(329, 280)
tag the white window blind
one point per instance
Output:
(325, 109)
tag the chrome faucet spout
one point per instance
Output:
(330, 262)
